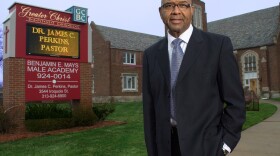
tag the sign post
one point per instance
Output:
(46, 52)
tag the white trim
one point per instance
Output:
(125, 78)
(197, 17)
(247, 76)
(127, 60)
(263, 48)
(90, 60)
(11, 46)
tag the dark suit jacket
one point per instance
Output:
(207, 79)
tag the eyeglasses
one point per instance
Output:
(171, 6)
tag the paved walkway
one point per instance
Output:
(262, 139)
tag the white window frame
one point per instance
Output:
(129, 82)
(250, 68)
(247, 83)
(129, 58)
(250, 63)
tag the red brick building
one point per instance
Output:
(256, 41)
(255, 37)
(117, 59)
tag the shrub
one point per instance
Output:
(103, 110)
(82, 117)
(5, 123)
(47, 111)
(46, 117)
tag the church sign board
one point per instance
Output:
(79, 14)
(51, 41)
(53, 46)
(52, 80)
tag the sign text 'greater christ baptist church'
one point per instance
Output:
(53, 45)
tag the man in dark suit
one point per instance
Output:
(198, 110)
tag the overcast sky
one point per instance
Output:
(140, 16)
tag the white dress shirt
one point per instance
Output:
(185, 36)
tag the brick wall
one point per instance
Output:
(84, 105)
(274, 65)
(102, 63)
(204, 15)
(108, 69)
(268, 69)
(118, 68)
(14, 91)
(264, 70)
(86, 85)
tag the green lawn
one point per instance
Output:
(121, 140)
(276, 99)
(254, 117)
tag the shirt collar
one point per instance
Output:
(185, 36)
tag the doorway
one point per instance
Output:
(253, 85)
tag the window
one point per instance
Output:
(250, 63)
(246, 82)
(129, 58)
(197, 17)
(129, 82)
(250, 69)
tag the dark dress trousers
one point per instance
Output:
(208, 79)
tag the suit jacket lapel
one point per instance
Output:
(163, 60)
(193, 50)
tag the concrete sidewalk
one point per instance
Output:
(262, 139)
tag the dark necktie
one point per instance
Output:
(177, 56)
